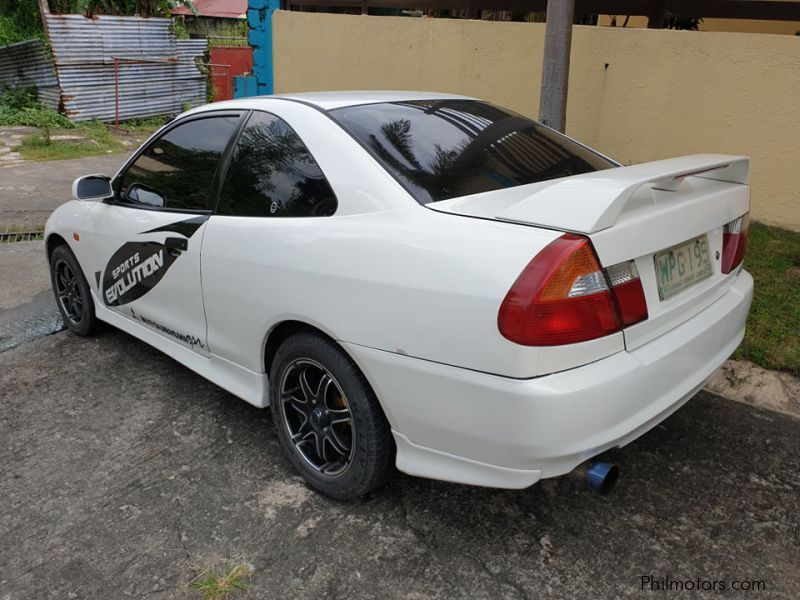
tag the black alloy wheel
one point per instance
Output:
(327, 418)
(73, 297)
(317, 417)
(68, 292)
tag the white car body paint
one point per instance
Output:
(412, 293)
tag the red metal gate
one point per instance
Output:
(227, 63)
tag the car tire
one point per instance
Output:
(73, 297)
(328, 419)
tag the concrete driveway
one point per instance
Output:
(123, 473)
(29, 192)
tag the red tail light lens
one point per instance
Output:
(628, 292)
(734, 242)
(563, 297)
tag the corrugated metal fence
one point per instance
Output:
(29, 64)
(130, 66)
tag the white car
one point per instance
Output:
(415, 279)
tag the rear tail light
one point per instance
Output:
(563, 296)
(734, 242)
(628, 292)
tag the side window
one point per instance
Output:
(176, 170)
(272, 174)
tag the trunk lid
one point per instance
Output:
(652, 213)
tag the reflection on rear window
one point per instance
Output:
(440, 149)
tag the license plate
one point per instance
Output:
(681, 266)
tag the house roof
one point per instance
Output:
(220, 9)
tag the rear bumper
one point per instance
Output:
(469, 427)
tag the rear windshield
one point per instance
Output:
(440, 149)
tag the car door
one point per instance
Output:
(146, 243)
(274, 201)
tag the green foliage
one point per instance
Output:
(92, 138)
(145, 8)
(17, 98)
(18, 106)
(147, 124)
(772, 339)
(224, 32)
(19, 21)
(179, 29)
(220, 586)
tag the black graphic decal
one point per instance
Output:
(134, 270)
(187, 227)
(97, 278)
(137, 267)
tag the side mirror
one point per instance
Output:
(141, 194)
(92, 187)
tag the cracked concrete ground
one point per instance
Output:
(27, 307)
(123, 472)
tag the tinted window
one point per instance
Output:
(272, 174)
(442, 149)
(176, 171)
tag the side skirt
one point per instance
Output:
(248, 385)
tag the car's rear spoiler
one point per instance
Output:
(594, 201)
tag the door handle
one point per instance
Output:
(176, 245)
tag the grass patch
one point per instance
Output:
(773, 326)
(95, 139)
(214, 585)
(20, 228)
(146, 125)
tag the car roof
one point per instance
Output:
(339, 99)
(331, 100)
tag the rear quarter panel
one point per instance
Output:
(409, 281)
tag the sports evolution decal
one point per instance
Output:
(137, 267)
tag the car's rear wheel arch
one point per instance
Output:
(282, 331)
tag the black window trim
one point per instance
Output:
(242, 114)
(224, 165)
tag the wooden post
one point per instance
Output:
(555, 65)
(44, 10)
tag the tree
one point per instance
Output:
(19, 21)
(145, 8)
